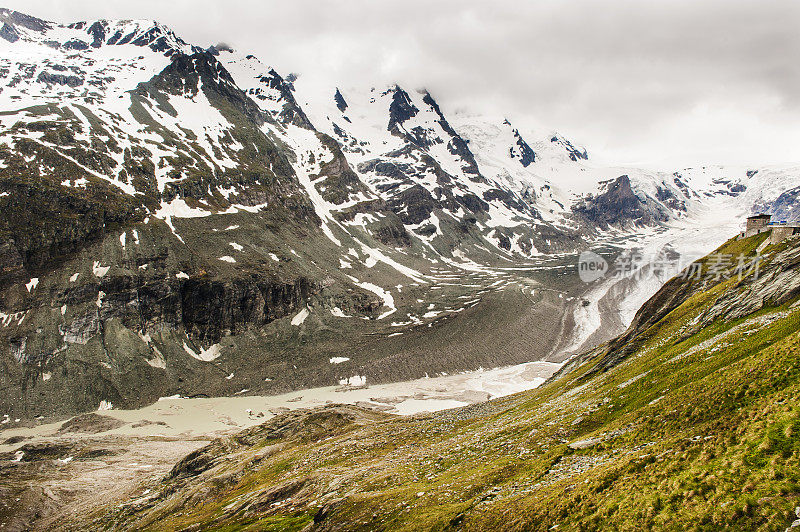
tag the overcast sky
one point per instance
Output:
(669, 83)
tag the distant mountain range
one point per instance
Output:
(183, 219)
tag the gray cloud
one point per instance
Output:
(671, 82)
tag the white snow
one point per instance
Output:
(81, 182)
(178, 208)
(388, 300)
(227, 258)
(98, 269)
(300, 317)
(374, 255)
(355, 380)
(170, 397)
(205, 355)
(338, 360)
(33, 283)
(303, 141)
(158, 362)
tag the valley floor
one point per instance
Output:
(117, 451)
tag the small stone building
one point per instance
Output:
(757, 224)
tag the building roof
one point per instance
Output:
(759, 216)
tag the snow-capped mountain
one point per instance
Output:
(407, 152)
(180, 220)
(563, 181)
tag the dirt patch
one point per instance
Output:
(90, 424)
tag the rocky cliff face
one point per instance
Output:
(618, 205)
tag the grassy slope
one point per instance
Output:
(705, 441)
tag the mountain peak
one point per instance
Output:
(84, 35)
(9, 16)
(215, 49)
(573, 152)
(138, 32)
(401, 109)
